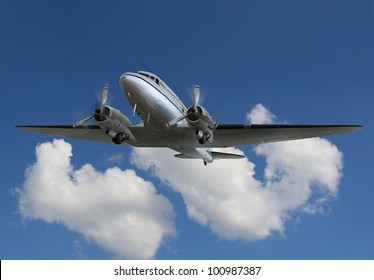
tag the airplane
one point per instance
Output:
(168, 123)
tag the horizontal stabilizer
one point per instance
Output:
(183, 156)
(216, 155)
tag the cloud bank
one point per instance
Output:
(123, 213)
(225, 196)
(117, 209)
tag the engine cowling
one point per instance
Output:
(199, 119)
(115, 124)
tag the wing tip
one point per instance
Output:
(23, 127)
(357, 126)
(350, 128)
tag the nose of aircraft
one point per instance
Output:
(122, 82)
(130, 84)
(127, 83)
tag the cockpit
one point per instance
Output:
(161, 83)
(151, 76)
(157, 80)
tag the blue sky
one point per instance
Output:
(305, 62)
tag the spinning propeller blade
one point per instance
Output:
(103, 99)
(196, 96)
(195, 103)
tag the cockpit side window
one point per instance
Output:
(155, 79)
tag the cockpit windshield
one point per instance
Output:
(151, 76)
(143, 73)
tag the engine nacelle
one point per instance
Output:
(115, 124)
(199, 119)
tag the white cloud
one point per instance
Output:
(115, 159)
(117, 209)
(300, 175)
(260, 115)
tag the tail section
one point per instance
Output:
(215, 155)
(218, 155)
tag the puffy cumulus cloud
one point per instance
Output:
(260, 115)
(117, 209)
(300, 175)
(223, 195)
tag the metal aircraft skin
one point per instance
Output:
(167, 122)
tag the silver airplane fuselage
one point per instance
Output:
(157, 105)
(152, 100)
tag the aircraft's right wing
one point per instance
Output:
(245, 134)
(87, 132)
(145, 136)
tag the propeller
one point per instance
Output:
(195, 103)
(196, 96)
(194, 112)
(98, 110)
